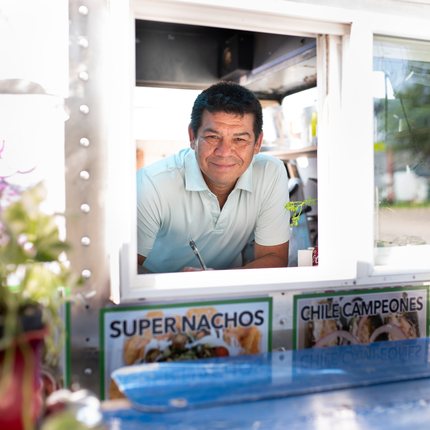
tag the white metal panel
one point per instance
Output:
(270, 16)
(412, 28)
(334, 224)
(358, 138)
(121, 148)
(86, 210)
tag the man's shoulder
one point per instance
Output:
(265, 160)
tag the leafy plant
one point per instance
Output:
(296, 209)
(31, 267)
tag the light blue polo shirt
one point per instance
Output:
(174, 204)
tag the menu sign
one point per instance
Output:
(360, 316)
(178, 332)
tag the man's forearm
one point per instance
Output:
(267, 261)
(269, 256)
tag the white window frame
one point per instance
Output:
(367, 272)
(400, 260)
(344, 46)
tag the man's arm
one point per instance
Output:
(273, 223)
(140, 269)
(269, 256)
(143, 270)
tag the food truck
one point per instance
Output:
(345, 91)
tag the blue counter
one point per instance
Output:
(379, 386)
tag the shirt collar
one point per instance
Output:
(194, 180)
(245, 180)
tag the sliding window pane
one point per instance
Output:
(401, 91)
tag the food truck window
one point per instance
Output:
(401, 152)
(279, 73)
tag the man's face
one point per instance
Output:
(225, 145)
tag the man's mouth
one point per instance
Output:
(223, 165)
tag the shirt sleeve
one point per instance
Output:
(273, 224)
(149, 213)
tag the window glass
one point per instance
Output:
(291, 133)
(401, 91)
(290, 126)
(153, 109)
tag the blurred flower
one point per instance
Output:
(29, 249)
(8, 194)
(22, 239)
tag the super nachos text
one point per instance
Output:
(360, 317)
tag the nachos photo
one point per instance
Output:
(205, 342)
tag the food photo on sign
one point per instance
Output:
(360, 317)
(180, 333)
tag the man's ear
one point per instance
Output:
(192, 138)
(257, 145)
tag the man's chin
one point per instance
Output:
(223, 178)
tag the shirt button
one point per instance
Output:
(215, 220)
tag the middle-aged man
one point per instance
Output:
(220, 192)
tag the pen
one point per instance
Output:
(196, 251)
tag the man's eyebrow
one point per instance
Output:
(242, 134)
(210, 130)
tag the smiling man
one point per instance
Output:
(220, 192)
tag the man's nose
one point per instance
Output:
(224, 148)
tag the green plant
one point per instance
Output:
(31, 267)
(296, 209)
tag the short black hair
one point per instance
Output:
(227, 97)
